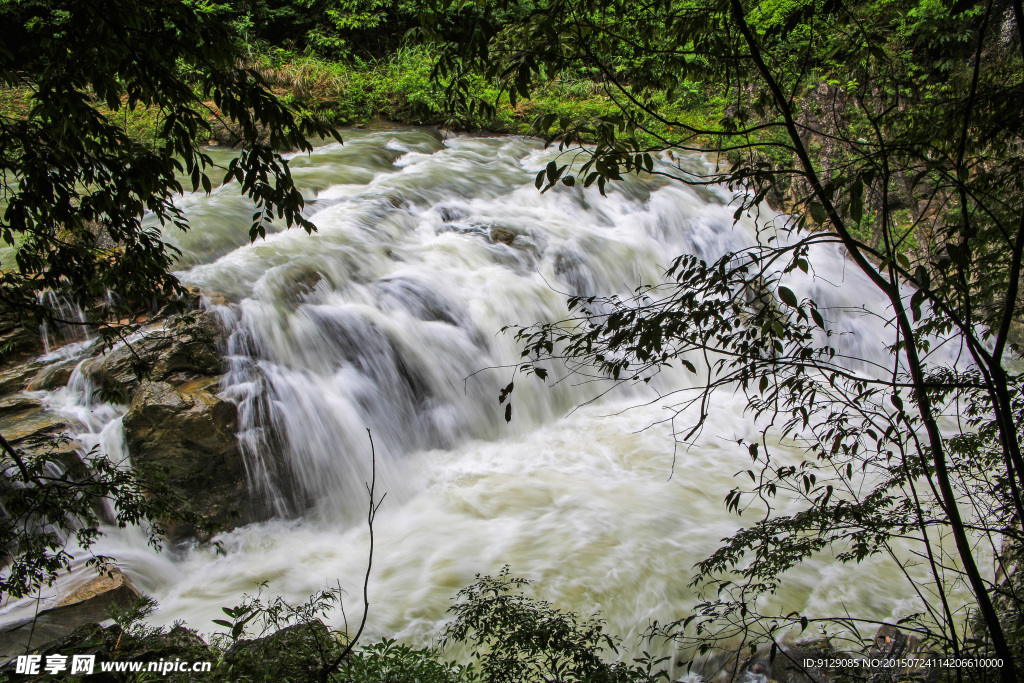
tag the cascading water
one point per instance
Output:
(71, 325)
(387, 319)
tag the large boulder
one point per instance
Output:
(32, 429)
(178, 429)
(178, 350)
(185, 434)
(86, 602)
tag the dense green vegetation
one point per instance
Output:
(76, 187)
(514, 639)
(835, 114)
(889, 127)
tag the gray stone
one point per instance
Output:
(186, 433)
(53, 376)
(87, 602)
(187, 343)
(16, 376)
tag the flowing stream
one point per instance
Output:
(388, 319)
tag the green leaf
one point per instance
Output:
(787, 296)
(818, 213)
(857, 201)
(818, 320)
(915, 304)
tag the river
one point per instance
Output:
(388, 319)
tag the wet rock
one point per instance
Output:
(178, 430)
(294, 651)
(41, 434)
(788, 665)
(86, 603)
(216, 299)
(503, 235)
(185, 434)
(31, 428)
(527, 246)
(573, 272)
(16, 376)
(231, 135)
(450, 213)
(109, 587)
(16, 340)
(193, 348)
(223, 134)
(891, 643)
(301, 284)
(53, 376)
(185, 344)
(18, 403)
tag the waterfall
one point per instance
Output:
(388, 319)
(70, 326)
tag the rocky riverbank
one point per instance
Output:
(177, 427)
(179, 433)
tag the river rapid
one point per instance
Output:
(388, 319)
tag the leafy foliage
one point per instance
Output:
(76, 186)
(515, 638)
(520, 640)
(80, 197)
(45, 506)
(831, 114)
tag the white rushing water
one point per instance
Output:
(388, 319)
